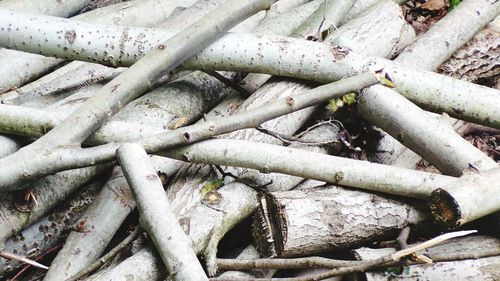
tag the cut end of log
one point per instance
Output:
(269, 227)
(445, 209)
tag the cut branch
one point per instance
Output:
(156, 216)
(322, 219)
(469, 198)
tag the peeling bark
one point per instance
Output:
(479, 58)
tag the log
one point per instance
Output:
(239, 201)
(164, 107)
(49, 191)
(419, 135)
(306, 222)
(102, 219)
(137, 79)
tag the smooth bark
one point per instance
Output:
(156, 215)
(13, 64)
(133, 82)
(71, 158)
(246, 55)
(467, 257)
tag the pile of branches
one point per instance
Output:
(149, 139)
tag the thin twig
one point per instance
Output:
(104, 259)
(13, 256)
(287, 139)
(51, 250)
(228, 82)
(355, 266)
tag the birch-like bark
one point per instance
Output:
(49, 231)
(321, 219)
(173, 105)
(49, 191)
(479, 58)
(375, 104)
(157, 217)
(284, 57)
(329, 14)
(113, 204)
(13, 64)
(71, 158)
(14, 67)
(178, 103)
(46, 7)
(249, 253)
(238, 200)
(133, 82)
(336, 170)
(469, 198)
(448, 258)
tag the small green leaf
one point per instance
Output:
(335, 104)
(453, 4)
(386, 82)
(350, 99)
(211, 185)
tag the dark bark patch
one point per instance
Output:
(339, 52)
(70, 36)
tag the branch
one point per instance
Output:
(13, 63)
(110, 255)
(367, 265)
(470, 197)
(283, 56)
(71, 158)
(132, 83)
(432, 139)
(156, 216)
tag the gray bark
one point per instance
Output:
(49, 231)
(415, 135)
(49, 191)
(46, 7)
(200, 92)
(136, 80)
(70, 158)
(479, 58)
(157, 217)
(113, 204)
(448, 262)
(249, 253)
(13, 64)
(178, 103)
(306, 222)
(336, 170)
(246, 55)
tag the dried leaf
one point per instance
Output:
(433, 5)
